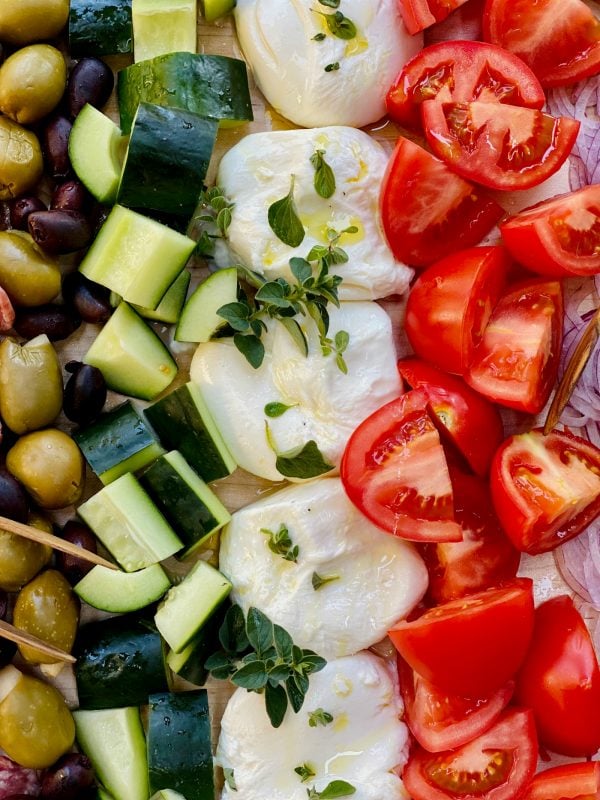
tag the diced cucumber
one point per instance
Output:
(214, 9)
(132, 358)
(163, 26)
(129, 525)
(103, 794)
(100, 27)
(179, 744)
(190, 604)
(120, 592)
(96, 150)
(113, 740)
(186, 501)
(189, 664)
(169, 308)
(199, 319)
(183, 422)
(119, 441)
(167, 159)
(136, 257)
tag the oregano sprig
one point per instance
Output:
(280, 543)
(319, 717)
(332, 790)
(215, 215)
(284, 220)
(324, 180)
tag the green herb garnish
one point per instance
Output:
(339, 344)
(319, 37)
(281, 544)
(324, 180)
(339, 25)
(319, 717)
(284, 220)
(332, 67)
(318, 581)
(305, 771)
(305, 461)
(215, 214)
(332, 790)
(274, 410)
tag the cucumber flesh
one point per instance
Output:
(120, 592)
(214, 9)
(104, 795)
(199, 319)
(169, 308)
(163, 26)
(96, 150)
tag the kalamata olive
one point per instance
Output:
(78, 534)
(55, 146)
(21, 159)
(13, 499)
(25, 21)
(53, 320)
(85, 393)
(89, 300)
(32, 81)
(59, 232)
(21, 208)
(70, 196)
(68, 778)
(21, 559)
(91, 81)
(29, 276)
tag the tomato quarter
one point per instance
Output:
(420, 14)
(567, 782)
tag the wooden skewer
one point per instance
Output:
(55, 542)
(21, 637)
(573, 371)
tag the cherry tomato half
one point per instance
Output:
(420, 14)
(558, 237)
(559, 39)
(422, 223)
(441, 721)
(567, 782)
(496, 766)
(560, 680)
(462, 71)
(394, 470)
(516, 362)
(508, 148)
(545, 489)
(471, 646)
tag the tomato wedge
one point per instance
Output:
(462, 71)
(420, 14)
(545, 489)
(496, 766)
(559, 39)
(567, 782)
(471, 646)
(450, 305)
(423, 224)
(560, 680)
(558, 237)
(394, 470)
(515, 149)
(472, 423)
(516, 363)
(441, 721)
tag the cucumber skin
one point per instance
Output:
(179, 744)
(205, 644)
(100, 27)
(120, 662)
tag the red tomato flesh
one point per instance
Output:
(567, 782)
(545, 489)
(558, 237)
(471, 646)
(508, 148)
(462, 71)
(420, 14)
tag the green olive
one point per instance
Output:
(31, 387)
(50, 466)
(46, 608)
(32, 82)
(25, 21)
(28, 275)
(21, 162)
(21, 559)
(36, 727)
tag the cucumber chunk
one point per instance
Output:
(132, 358)
(96, 149)
(120, 592)
(199, 319)
(100, 27)
(214, 9)
(189, 664)
(163, 26)
(113, 740)
(169, 308)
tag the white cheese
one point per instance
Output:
(257, 172)
(380, 578)
(365, 745)
(277, 37)
(327, 405)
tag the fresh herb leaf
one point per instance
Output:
(236, 314)
(214, 217)
(305, 461)
(301, 270)
(252, 676)
(232, 633)
(324, 180)
(284, 220)
(333, 67)
(305, 771)
(319, 37)
(332, 790)
(274, 409)
(276, 703)
(318, 581)
(259, 630)
(251, 347)
(319, 717)
(281, 543)
(229, 778)
(284, 643)
(340, 26)
(297, 334)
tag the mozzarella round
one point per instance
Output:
(257, 172)
(379, 578)
(366, 743)
(278, 40)
(326, 405)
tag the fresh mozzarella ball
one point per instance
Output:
(326, 404)
(365, 745)
(258, 171)
(379, 578)
(278, 40)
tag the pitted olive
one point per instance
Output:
(32, 82)
(21, 559)
(21, 162)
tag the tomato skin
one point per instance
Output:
(517, 149)
(473, 424)
(451, 303)
(391, 459)
(558, 237)
(423, 224)
(471, 646)
(559, 39)
(516, 363)
(568, 782)
(440, 721)
(461, 71)
(545, 489)
(560, 680)
(420, 14)
(509, 746)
